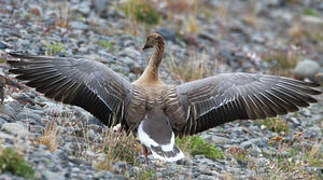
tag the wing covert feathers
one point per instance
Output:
(227, 97)
(88, 84)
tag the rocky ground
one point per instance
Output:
(205, 38)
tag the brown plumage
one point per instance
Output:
(155, 111)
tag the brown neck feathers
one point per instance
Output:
(151, 71)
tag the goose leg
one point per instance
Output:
(145, 152)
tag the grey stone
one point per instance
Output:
(79, 25)
(84, 8)
(249, 143)
(29, 116)
(3, 45)
(313, 20)
(219, 140)
(4, 135)
(7, 110)
(307, 68)
(15, 128)
(52, 175)
(100, 7)
(2, 121)
(168, 34)
(208, 36)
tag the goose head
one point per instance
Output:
(153, 40)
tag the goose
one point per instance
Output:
(156, 112)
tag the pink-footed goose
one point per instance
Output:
(157, 112)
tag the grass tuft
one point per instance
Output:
(11, 161)
(141, 11)
(238, 153)
(195, 145)
(276, 124)
(50, 137)
(190, 69)
(283, 61)
(118, 146)
(54, 49)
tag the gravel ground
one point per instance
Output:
(224, 36)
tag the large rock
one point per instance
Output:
(307, 68)
(15, 128)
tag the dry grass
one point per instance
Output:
(283, 61)
(192, 68)
(276, 124)
(184, 12)
(181, 6)
(191, 25)
(237, 153)
(140, 11)
(118, 146)
(50, 137)
(62, 17)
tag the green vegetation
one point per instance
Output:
(54, 49)
(145, 174)
(311, 12)
(141, 10)
(12, 162)
(195, 145)
(106, 44)
(276, 124)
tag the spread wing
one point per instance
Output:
(88, 84)
(227, 97)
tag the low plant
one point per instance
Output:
(50, 137)
(54, 49)
(311, 12)
(190, 69)
(118, 146)
(141, 11)
(145, 174)
(106, 44)
(282, 61)
(237, 153)
(11, 161)
(276, 124)
(195, 145)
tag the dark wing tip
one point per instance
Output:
(312, 84)
(15, 54)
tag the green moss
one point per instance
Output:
(195, 145)
(106, 44)
(141, 10)
(54, 49)
(12, 162)
(276, 124)
(311, 12)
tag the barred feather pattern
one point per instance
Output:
(84, 83)
(230, 96)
